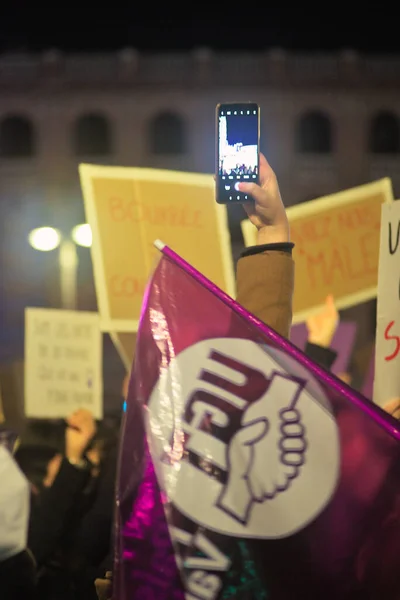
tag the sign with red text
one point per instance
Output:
(336, 247)
(387, 345)
(63, 363)
(128, 209)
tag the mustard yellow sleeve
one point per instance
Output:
(265, 284)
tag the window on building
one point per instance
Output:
(314, 133)
(17, 137)
(167, 134)
(385, 134)
(92, 136)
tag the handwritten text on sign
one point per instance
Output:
(387, 357)
(336, 247)
(353, 252)
(63, 363)
(128, 209)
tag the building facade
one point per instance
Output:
(329, 122)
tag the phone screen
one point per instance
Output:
(237, 149)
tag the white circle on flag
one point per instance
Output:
(243, 439)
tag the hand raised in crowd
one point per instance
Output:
(81, 428)
(266, 211)
(393, 408)
(322, 326)
(104, 587)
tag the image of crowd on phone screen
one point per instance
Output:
(238, 151)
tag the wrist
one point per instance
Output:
(323, 342)
(74, 456)
(81, 463)
(273, 234)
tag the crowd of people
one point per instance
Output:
(71, 470)
(57, 508)
(239, 170)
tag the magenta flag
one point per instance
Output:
(246, 471)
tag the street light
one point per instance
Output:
(46, 239)
(82, 235)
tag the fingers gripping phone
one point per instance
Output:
(238, 149)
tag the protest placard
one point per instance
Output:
(336, 247)
(127, 209)
(125, 343)
(63, 363)
(387, 357)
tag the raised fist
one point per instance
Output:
(267, 452)
(81, 428)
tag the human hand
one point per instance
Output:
(393, 407)
(345, 377)
(81, 428)
(267, 452)
(236, 498)
(266, 211)
(322, 326)
(94, 457)
(104, 587)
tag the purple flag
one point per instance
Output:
(246, 471)
(342, 343)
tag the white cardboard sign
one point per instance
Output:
(63, 363)
(387, 357)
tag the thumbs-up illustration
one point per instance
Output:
(267, 452)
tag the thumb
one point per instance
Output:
(284, 392)
(255, 191)
(253, 432)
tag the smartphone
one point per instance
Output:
(238, 149)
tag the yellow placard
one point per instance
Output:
(128, 209)
(336, 247)
(125, 344)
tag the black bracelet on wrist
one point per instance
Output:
(286, 247)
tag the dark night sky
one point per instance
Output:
(70, 27)
(242, 130)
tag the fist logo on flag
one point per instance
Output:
(241, 436)
(269, 430)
